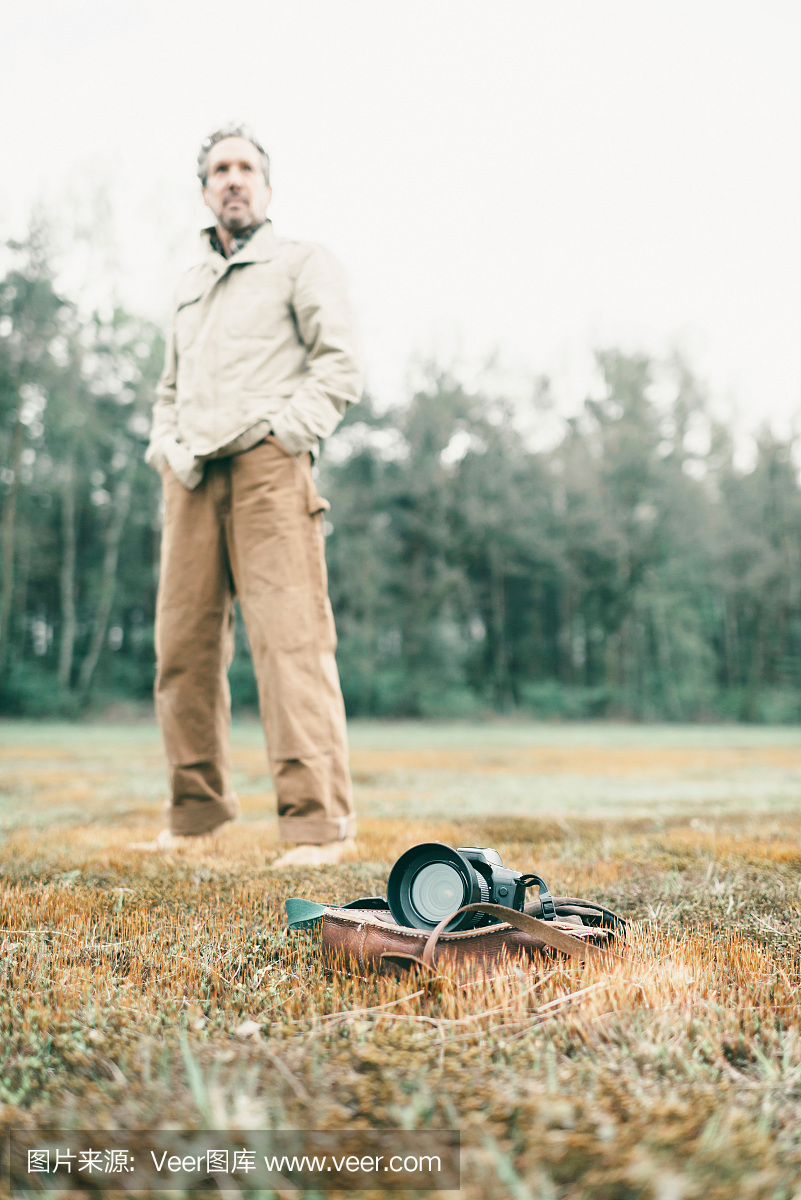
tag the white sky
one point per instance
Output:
(526, 176)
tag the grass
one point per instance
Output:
(142, 991)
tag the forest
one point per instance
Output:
(630, 567)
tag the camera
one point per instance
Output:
(432, 880)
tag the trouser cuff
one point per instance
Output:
(316, 830)
(193, 817)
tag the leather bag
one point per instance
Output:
(363, 935)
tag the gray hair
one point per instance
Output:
(232, 129)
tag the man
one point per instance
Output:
(261, 364)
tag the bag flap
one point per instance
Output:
(302, 914)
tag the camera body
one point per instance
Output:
(505, 886)
(431, 881)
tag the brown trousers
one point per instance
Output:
(253, 529)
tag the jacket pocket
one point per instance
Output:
(186, 322)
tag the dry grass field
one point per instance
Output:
(141, 991)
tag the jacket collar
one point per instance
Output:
(261, 247)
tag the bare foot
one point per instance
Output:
(304, 855)
(168, 842)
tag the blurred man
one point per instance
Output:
(261, 364)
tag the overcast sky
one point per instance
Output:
(526, 176)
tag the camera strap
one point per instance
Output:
(557, 939)
(547, 906)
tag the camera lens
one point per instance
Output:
(431, 881)
(436, 891)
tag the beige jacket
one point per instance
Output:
(261, 341)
